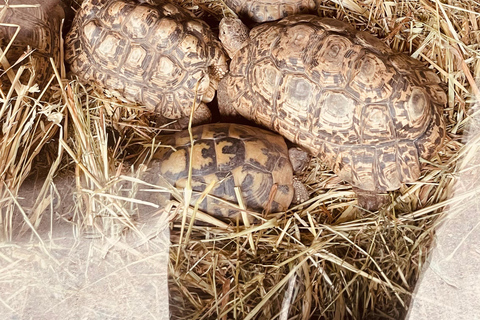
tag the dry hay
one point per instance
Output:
(327, 259)
(30, 117)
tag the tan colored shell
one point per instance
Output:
(269, 10)
(368, 112)
(158, 56)
(231, 155)
(38, 25)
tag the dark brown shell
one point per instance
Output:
(231, 155)
(366, 111)
(269, 10)
(158, 56)
(39, 28)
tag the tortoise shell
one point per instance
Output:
(231, 155)
(269, 10)
(367, 112)
(158, 56)
(38, 25)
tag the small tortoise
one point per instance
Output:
(345, 96)
(269, 10)
(158, 56)
(38, 25)
(233, 155)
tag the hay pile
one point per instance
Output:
(326, 259)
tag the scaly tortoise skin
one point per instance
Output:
(158, 56)
(39, 23)
(345, 96)
(269, 10)
(255, 160)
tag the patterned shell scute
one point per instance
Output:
(269, 10)
(231, 155)
(159, 56)
(39, 28)
(342, 94)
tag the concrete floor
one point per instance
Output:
(58, 274)
(450, 285)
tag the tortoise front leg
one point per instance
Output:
(225, 103)
(300, 192)
(300, 160)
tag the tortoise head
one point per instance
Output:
(234, 35)
(299, 159)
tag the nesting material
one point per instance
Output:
(326, 258)
(31, 105)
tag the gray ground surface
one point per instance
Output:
(65, 277)
(450, 285)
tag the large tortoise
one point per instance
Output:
(159, 56)
(233, 155)
(345, 96)
(269, 10)
(33, 24)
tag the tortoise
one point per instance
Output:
(367, 112)
(269, 10)
(234, 155)
(38, 25)
(158, 56)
